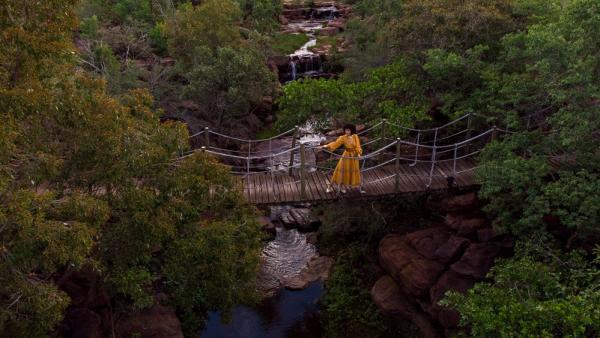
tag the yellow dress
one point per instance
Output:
(347, 171)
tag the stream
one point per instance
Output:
(282, 313)
(304, 63)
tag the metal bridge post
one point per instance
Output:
(397, 165)
(206, 137)
(302, 171)
(433, 156)
(294, 137)
(454, 162)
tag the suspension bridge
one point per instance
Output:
(287, 169)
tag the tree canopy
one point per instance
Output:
(90, 180)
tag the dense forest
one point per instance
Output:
(98, 99)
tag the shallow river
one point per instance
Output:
(290, 314)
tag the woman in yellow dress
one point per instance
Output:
(347, 172)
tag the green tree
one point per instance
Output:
(211, 24)
(541, 292)
(262, 15)
(90, 180)
(391, 92)
(228, 82)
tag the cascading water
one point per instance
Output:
(294, 70)
(303, 62)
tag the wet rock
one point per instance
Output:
(283, 20)
(267, 225)
(328, 31)
(414, 272)
(300, 218)
(477, 260)
(312, 238)
(81, 323)
(451, 250)
(156, 322)
(280, 60)
(340, 24)
(318, 268)
(296, 283)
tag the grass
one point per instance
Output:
(288, 43)
(325, 40)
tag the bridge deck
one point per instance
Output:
(267, 188)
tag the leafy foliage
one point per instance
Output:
(88, 180)
(390, 92)
(228, 82)
(211, 24)
(534, 295)
(261, 15)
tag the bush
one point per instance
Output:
(158, 38)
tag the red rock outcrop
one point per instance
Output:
(423, 265)
(392, 301)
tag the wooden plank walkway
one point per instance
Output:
(277, 188)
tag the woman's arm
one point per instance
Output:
(335, 144)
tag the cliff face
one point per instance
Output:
(422, 265)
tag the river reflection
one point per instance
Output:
(290, 314)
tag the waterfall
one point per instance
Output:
(293, 65)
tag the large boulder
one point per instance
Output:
(301, 218)
(414, 272)
(425, 242)
(464, 202)
(159, 321)
(390, 300)
(449, 281)
(267, 225)
(451, 250)
(464, 225)
(318, 268)
(477, 260)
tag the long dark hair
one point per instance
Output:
(351, 127)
